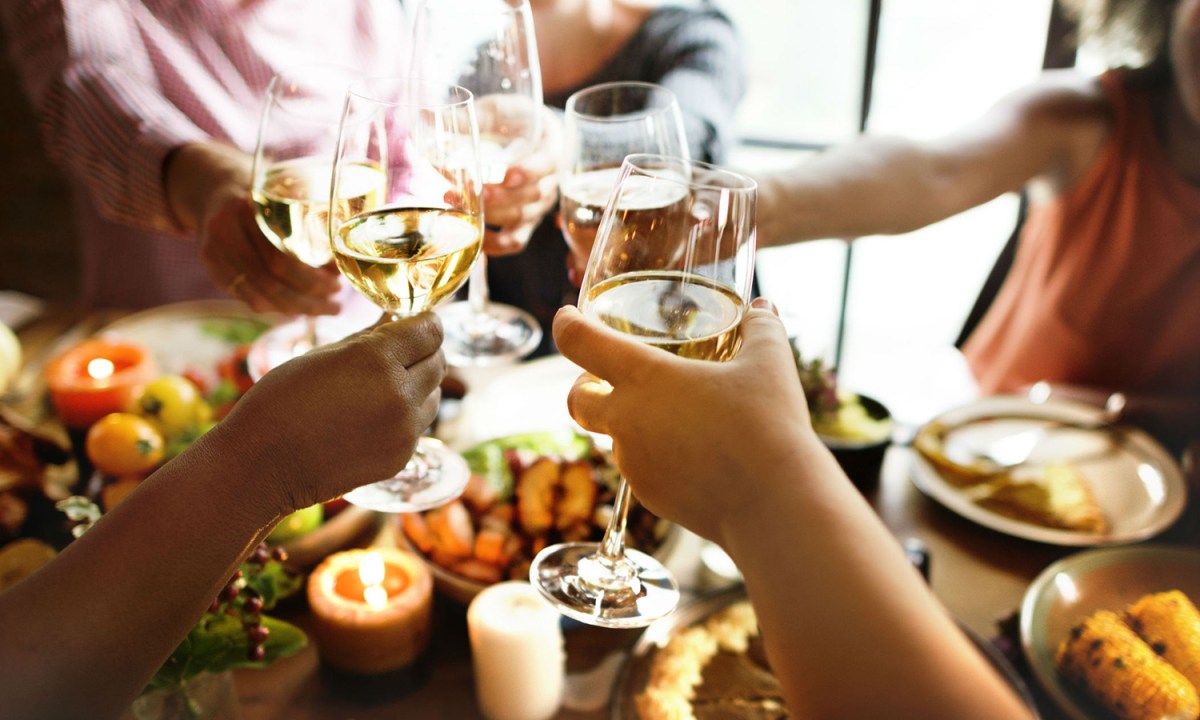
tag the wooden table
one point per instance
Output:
(980, 575)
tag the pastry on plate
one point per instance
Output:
(1056, 495)
(715, 670)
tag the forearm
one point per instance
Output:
(101, 618)
(875, 186)
(851, 629)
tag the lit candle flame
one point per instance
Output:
(370, 571)
(100, 368)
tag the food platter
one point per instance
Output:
(1074, 587)
(1136, 483)
(636, 672)
(492, 502)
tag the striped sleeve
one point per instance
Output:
(93, 86)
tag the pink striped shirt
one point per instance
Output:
(118, 84)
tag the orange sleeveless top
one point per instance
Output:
(1104, 290)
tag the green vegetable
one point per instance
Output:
(219, 643)
(234, 331)
(488, 458)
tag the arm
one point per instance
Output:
(851, 629)
(143, 161)
(122, 597)
(1049, 132)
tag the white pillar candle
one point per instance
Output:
(517, 651)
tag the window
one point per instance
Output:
(939, 64)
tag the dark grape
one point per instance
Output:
(261, 555)
(229, 593)
(253, 605)
(258, 634)
(279, 554)
(256, 653)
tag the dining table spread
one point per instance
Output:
(979, 574)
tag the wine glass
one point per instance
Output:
(602, 125)
(293, 162)
(672, 267)
(416, 248)
(488, 47)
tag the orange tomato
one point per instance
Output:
(124, 444)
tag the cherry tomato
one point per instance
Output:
(199, 379)
(174, 404)
(124, 444)
(233, 367)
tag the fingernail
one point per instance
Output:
(764, 304)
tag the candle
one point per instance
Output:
(97, 377)
(372, 609)
(517, 651)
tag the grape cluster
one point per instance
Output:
(239, 599)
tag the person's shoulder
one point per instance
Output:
(1065, 99)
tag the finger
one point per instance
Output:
(515, 177)
(588, 403)
(764, 338)
(603, 352)
(409, 340)
(425, 376)
(428, 411)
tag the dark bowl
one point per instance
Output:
(860, 460)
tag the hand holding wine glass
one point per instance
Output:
(293, 164)
(416, 248)
(488, 47)
(672, 267)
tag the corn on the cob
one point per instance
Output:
(1170, 625)
(1104, 655)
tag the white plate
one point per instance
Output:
(1137, 483)
(196, 334)
(1075, 587)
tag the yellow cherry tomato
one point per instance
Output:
(174, 404)
(124, 444)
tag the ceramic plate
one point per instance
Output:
(195, 334)
(1137, 484)
(1074, 587)
(636, 673)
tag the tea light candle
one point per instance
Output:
(97, 377)
(517, 651)
(372, 609)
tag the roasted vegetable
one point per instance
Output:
(1104, 656)
(536, 489)
(1170, 625)
(579, 491)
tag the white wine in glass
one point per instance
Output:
(672, 267)
(293, 167)
(488, 47)
(602, 124)
(416, 248)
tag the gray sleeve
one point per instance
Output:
(699, 58)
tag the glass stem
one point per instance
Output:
(478, 295)
(310, 331)
(612, 547)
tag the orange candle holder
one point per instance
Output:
(97, 377)
(372, 610)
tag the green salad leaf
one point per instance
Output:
(489, 460)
